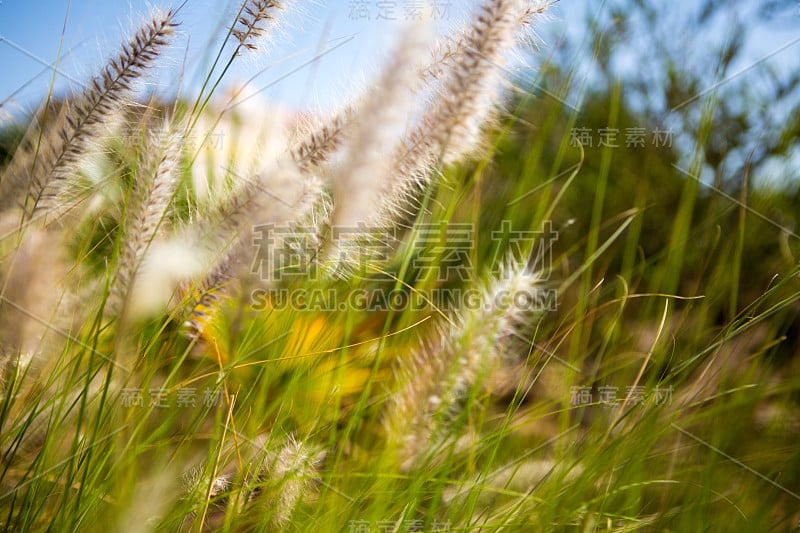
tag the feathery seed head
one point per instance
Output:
(437, 380)
(279, 195)
(291, 469)
(468, 93)
(83, 123)
(32, 292)
(469, 69)
(364, 177)
(320, 140)
(150, 197)
(253, 22)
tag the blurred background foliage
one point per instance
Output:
(665, 117)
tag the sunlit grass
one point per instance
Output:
(658, 393)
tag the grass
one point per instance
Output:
(658, 391)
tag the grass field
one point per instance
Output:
(395, 323)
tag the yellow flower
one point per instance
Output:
(331, 361)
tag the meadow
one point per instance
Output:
(456, 303)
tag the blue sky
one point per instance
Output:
(354, 42)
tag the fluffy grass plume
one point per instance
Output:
(151, 194)
(40, 178)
